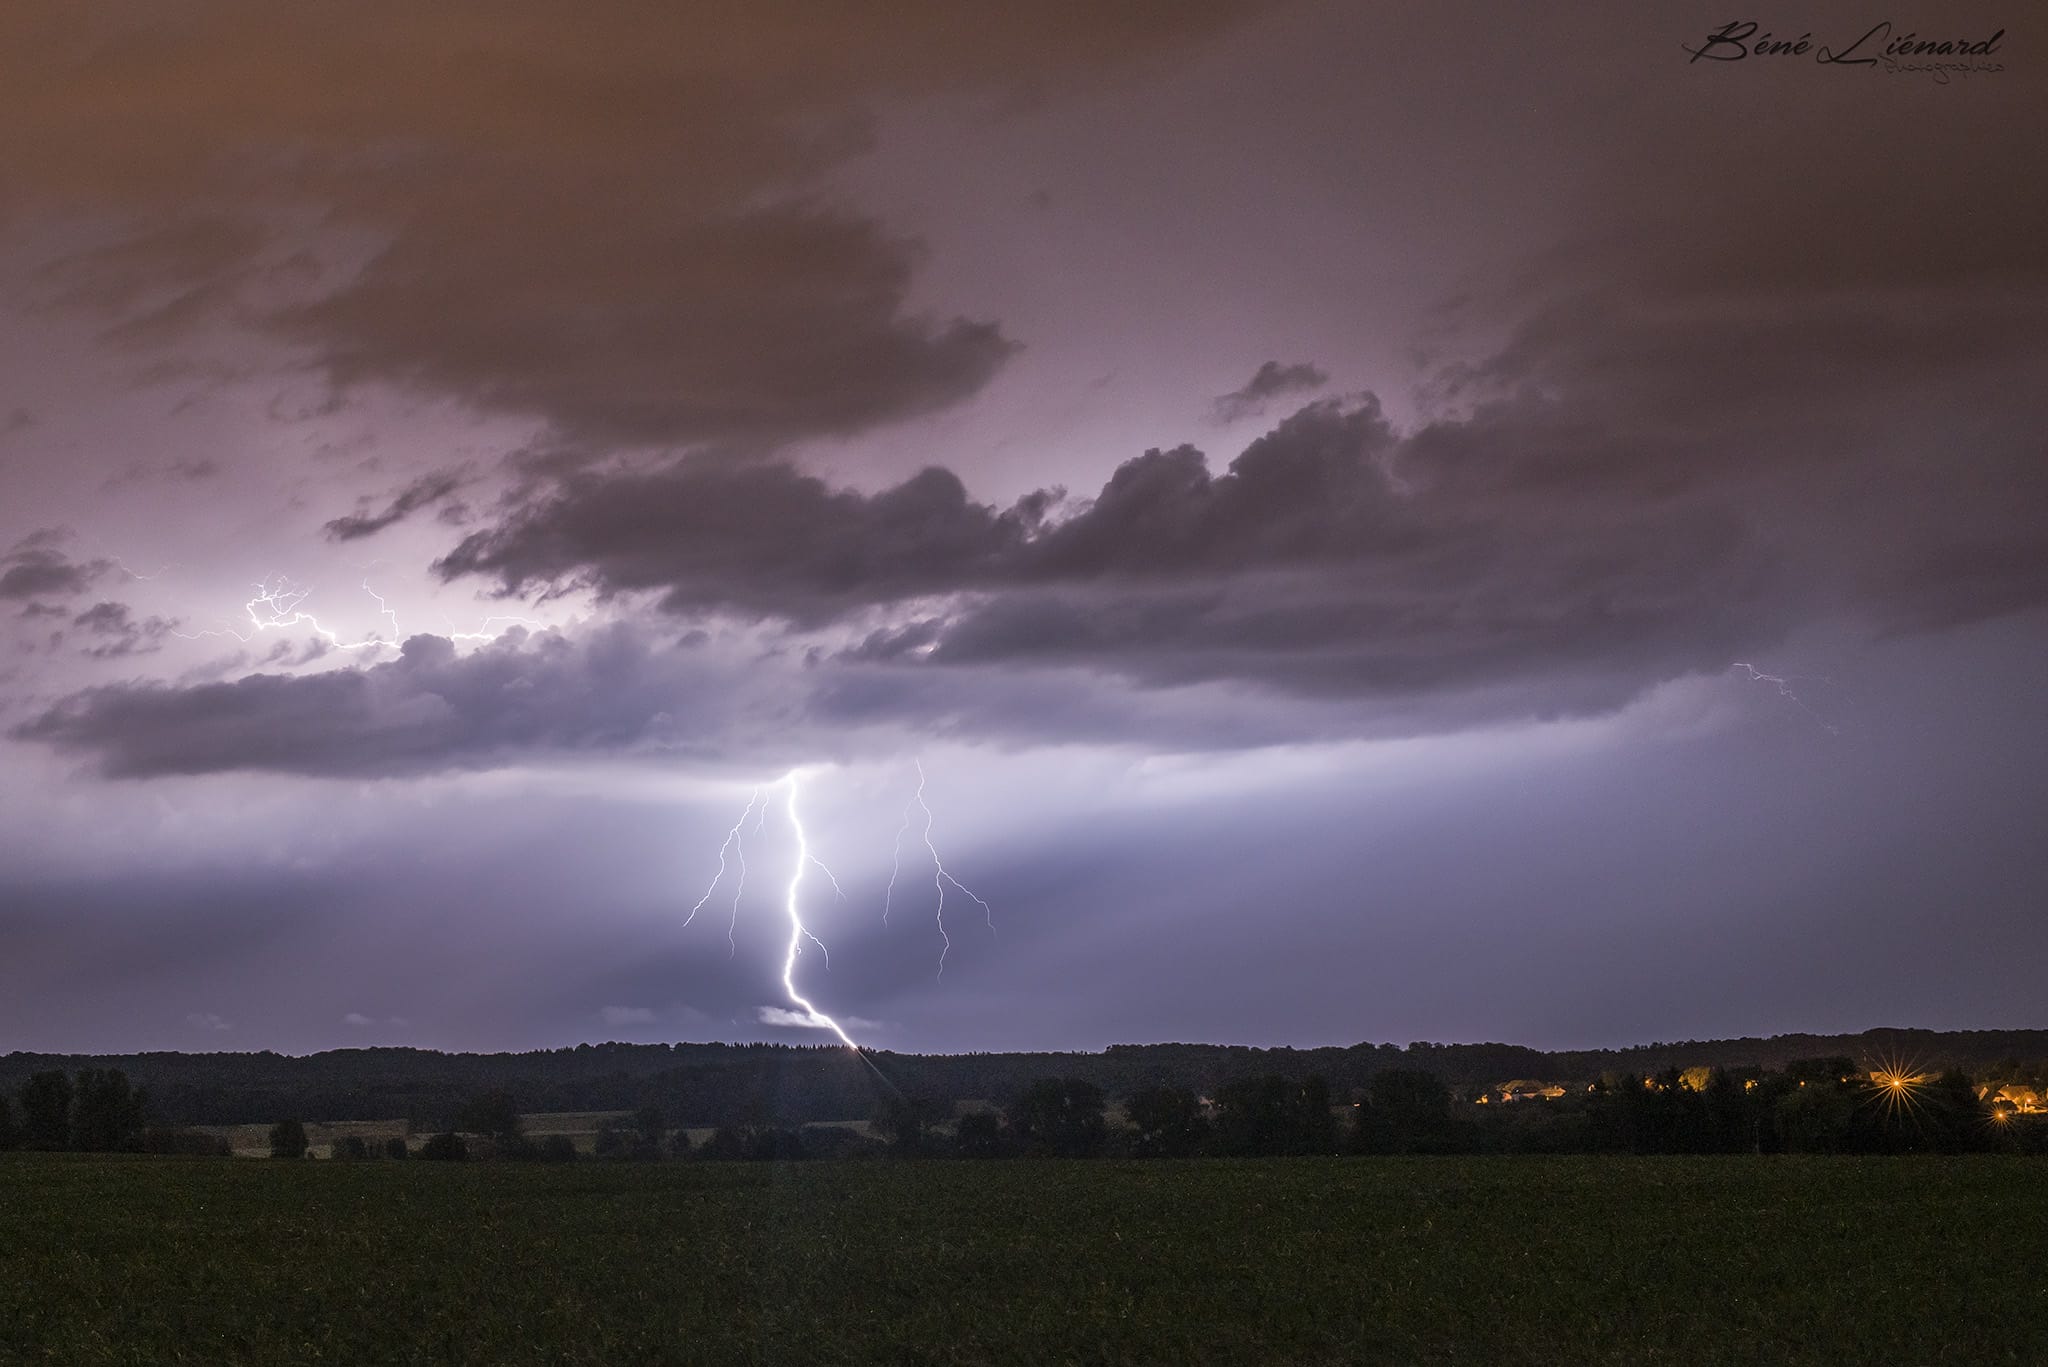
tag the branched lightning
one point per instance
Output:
(122, 565)
(940, 876)
(732, 927)
(1786, 685)
(277, 607)
(735, 842)
(732, 861)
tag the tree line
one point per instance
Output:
(1825, 1105)
(93, 1111)
(711, 1084)
(1813, 1106)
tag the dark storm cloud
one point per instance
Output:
(620, 691)
(764, 539)
(426, 490)
(428, 709)
(114, 631)
(1270, 381)
(1590, 524)
(38, 566)
(1717, 417)
(1557, 543)
(159, 280)
(1642, 479)
(606, 219)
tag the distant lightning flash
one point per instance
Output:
(1787, 688)
(734, 841)
(276, 607)
(940, 876)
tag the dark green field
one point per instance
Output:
(1495, 1261)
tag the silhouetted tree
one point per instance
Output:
(394, 1147)
(1406, 1111)
(287, 1139)
(650, 1127)
(1958, 1121)
(1060, 1116)
(10, 1133)
(906, 1122)
(1820, 1113)
(1732, 1122)
(1168, 1121)
(46, 1111)
(445, 1147)
(979, 1134)
(728, 1143)
(1275, 1115)
(556, 1148)
(491, 1113)
(105, 1114)
(352, 1147)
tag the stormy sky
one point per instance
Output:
(1457, 522)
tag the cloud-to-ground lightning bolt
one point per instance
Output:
(732, 856)
(735, 840)
(798, 931)
(940, 876)
(1786, 686)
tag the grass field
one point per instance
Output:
(1466, 1260)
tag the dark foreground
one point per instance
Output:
(1365, 1260)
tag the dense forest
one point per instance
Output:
(714, 1084)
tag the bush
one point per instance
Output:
(979, 1135)
(1060, 1116)
(490, 1113)
(445, 1147)
(288, 1139)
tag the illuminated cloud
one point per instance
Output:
(1269, 382)
(423, 492)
